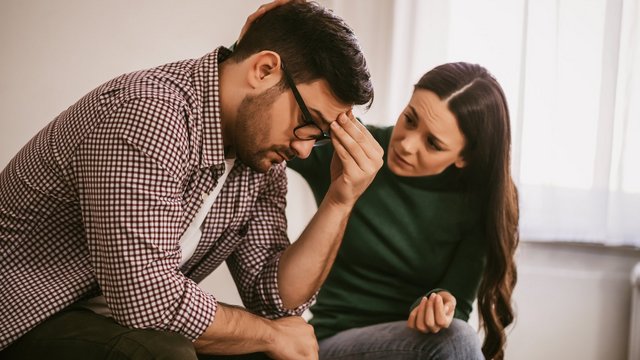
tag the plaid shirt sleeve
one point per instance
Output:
(128, 173)
(254, 264)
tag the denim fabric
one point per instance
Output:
(395, 341)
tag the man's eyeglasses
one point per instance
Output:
(309, 130)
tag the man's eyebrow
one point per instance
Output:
(318, 115)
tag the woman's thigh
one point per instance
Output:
(394, 340)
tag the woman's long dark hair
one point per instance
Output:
(478, 103)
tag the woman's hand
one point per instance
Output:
(258, 13)
(434, 313)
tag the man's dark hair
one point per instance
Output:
(314, 44)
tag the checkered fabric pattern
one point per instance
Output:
(96, 202)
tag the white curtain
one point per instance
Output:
(571, 72)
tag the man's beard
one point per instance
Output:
(253, 127)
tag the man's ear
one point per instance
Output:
(264, 70)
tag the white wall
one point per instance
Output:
(53, 52)
(573, 301)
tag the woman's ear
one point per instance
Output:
(460, 162)
(264, 70)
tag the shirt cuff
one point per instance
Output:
(196, 314)
(269, 294)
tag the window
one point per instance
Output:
(571, 72)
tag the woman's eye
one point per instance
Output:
(432, 144)
(410, 121)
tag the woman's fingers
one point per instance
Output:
(421, 325)
(440, 314)
(430, 317)
(411, 321)
(433, 313)
(416, 317)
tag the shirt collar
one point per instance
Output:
(207, 79)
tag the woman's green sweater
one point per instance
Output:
(406, 236)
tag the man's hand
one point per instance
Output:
(434, 313)
(356, 160)
(236, 331)
(294, 339)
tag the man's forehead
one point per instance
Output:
(323, 104)
(329, 117)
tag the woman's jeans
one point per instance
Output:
(395, 341)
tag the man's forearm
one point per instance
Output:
(235, 331)
(306, 263)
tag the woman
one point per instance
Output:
(441, 219)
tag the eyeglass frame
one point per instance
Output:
(324, 137)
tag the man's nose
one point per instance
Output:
(303, 147)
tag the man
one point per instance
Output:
(115, 211)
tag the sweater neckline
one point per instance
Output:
(449, 179)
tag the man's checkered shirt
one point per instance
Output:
(97, 200)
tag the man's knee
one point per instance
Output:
(151, 344)
(81, 334)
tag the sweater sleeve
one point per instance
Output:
(464, 273)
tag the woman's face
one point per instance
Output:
(426, 139)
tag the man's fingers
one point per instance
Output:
(361, 127)
(355, 163)
(340, 150)
(362, 135)
(354, 150)
(364, 149)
